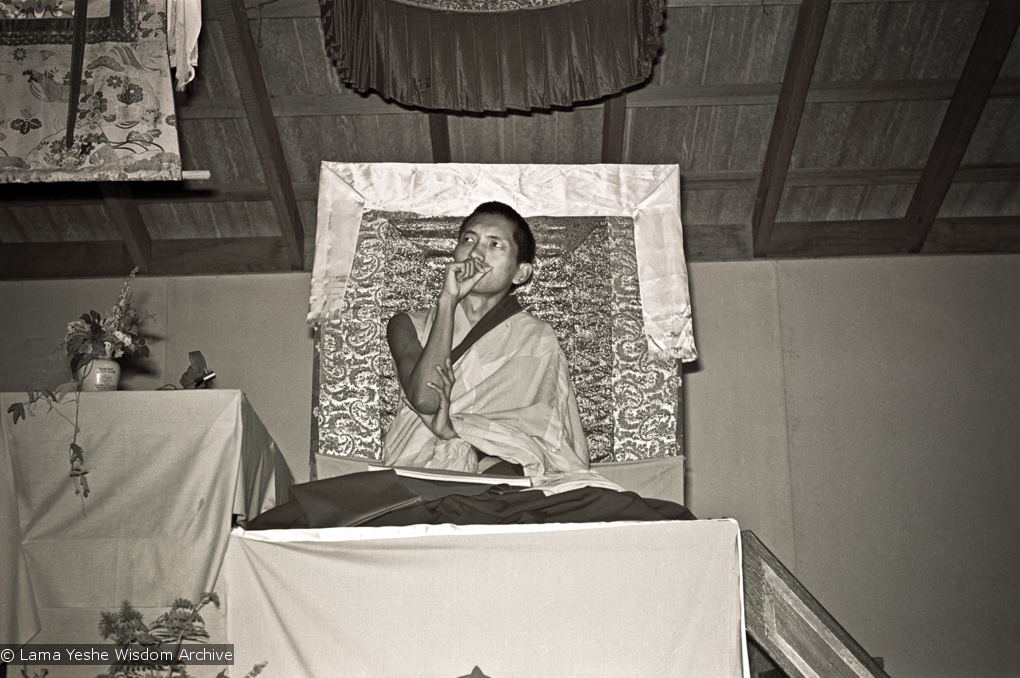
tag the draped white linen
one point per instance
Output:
(649, 194)
(604, 600)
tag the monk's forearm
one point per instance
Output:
(434, 354)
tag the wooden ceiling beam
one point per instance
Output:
(739, 94)
(155, 193)
(614, 128)
(974, 235)
(992, 43)
(842, 176)
(836, 238)
(960, 235)
(255, 97)
(851, 91)
(439, 135)
(213, 256)
(123, 211)
(800, 65)
(108, 258)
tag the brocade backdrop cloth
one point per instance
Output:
(125, 128)
(492, 55)
(611, 280)
(585, 285)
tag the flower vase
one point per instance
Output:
(100, 374)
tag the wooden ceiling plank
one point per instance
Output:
(255, 97)
(439, 134)
(868, 237)
(614, 125)
(156, 193)
(204, 256)
(93, 259)
(212, 108)
(738, 94)
(123, 211)
(974, 235)
(851, 91)
(991, 45)
(800, 65)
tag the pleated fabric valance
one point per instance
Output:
(492, 55)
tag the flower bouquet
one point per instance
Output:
(92, 337)
(88, 340)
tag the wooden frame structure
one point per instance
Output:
(771, 236)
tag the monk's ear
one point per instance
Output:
(523, 274)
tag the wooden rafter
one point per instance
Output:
(614, 128)
(836, 238)
(148, 193)
(188, 256)
(439, 133)
(255, 97)
(800, 65)
(123, 210)
(104, 258)
(991, 44)
(736, 94)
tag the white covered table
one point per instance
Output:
(168, 470)
(605, 599)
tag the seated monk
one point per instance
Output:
(485, 389)
(485, 385)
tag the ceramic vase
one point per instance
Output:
(101, 374)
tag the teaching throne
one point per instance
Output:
(591, 271)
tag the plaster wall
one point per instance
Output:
(250, 329)
(861, 416)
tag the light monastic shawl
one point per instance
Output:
(512, 399)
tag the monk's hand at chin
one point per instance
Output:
(439, 423)
(462, 276)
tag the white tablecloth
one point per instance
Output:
(167, 470)
(606, 599)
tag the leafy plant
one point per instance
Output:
(89, 338)
(92, 337)
(76, 453)
(182, 623)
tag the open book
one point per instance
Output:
(454, 476)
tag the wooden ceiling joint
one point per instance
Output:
(800, 65)
(110, 258)
(855, 237)
(991, 45)
(614, 128)
(99, 258)
(439, 134)
(123, 211)
(255, 98)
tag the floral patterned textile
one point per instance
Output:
(125, 127)
(628, 402)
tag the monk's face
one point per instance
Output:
(489, 238)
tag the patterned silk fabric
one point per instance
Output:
(585, 286)
(125, 128)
